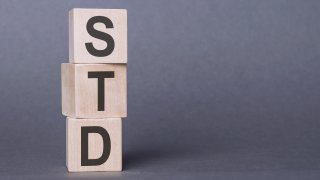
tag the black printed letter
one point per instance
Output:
(100, 35)
(101, 75)
(85, 161)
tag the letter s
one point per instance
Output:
(100, 35)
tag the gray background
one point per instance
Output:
(225, 89)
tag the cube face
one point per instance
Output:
(98, 36)
(94, 90)
(94, 144)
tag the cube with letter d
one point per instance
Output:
(94, 144)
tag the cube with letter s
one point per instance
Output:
(98, 36)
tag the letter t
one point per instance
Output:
(101, 75)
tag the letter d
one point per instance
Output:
(85, 161)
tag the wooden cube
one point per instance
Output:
(94, 90)
(94, 144)
(98, 36)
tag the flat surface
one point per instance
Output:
(216, 89)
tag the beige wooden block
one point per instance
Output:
(94, 90)
(94, 144)
(98, 36)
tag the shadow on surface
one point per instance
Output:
(151, 158)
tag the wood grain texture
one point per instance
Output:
(80, 93)
(73, 147)
(68, 89)
(78, 35)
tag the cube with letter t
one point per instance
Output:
(94, 90)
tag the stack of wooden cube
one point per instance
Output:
(94, 89)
